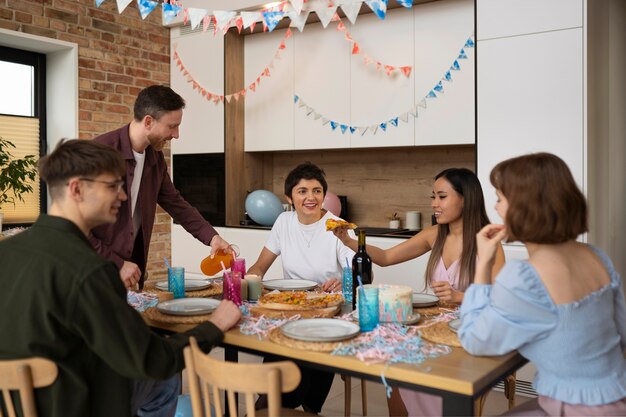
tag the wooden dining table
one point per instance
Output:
(458, 377)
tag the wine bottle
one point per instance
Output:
(361, 267)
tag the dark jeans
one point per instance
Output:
(310, 394)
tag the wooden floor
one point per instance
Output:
(496, 403)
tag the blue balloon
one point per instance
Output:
(263, 207)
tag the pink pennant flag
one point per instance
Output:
(195, 85)
(277, 55)
(288, 33)
(348, 37)
(185, 16)
(252, 25)
(214, 26)
(258, 80)
(379, 65)
(264, 26)
(282, 45)
(266, 72)
(206, 22)
(406, 71)
(367, 60)
(203, 92)
(185, 72)
(389, 69)
(216, 99)
(253, 87)
(355, 49)
(336, 16)
(341, 27)
(243, 92)
(236, 96)
(221, 98)
(239, 23)
(209, 96)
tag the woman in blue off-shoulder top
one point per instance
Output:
(563, 308)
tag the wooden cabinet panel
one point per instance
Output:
(530, 100)
(202, 129)
(269, 112)
(499, 18)
(322, 79)
(376, 97)
(441, 30)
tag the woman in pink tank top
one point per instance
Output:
(459, 208)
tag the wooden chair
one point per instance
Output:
(509, 392)
(208, 376)
(347, 384)
(24, 375)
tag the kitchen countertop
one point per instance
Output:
(369, 231)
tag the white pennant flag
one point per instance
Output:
(122, 4)
(297, 5)
(325, 121)
(326, 14)
(309, 110)
(316, 116)
(351, 10)
(373, 129)
(196, 16)
(223, 18)
(404, 117)
(249, 18)
(361, 130)
(301, 104)
(298, 20)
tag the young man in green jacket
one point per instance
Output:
(62, 301)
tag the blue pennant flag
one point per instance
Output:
(431, 94)
(146, 7)
(405, 3)
(352, 129)
(343, 128)
(333, 125)
(295, 99)
(394, 121)
(469, 43)
(170, 11)
(99, 2)
(272, 19)
(447, 76)
(379, 7)
(455, 66)
(383, 126)
(462, 54)
(439, 87)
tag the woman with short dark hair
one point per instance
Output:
(563, 308)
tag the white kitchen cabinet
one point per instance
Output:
(376, 97)
(441, 30)
(321, 69)
(202, 129)
(530, 100)
(269, 115)
(501, 18)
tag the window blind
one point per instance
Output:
(23, 132)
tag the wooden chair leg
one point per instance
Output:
(509, 389)
(347, 391)
(363, 397)
(479, 404)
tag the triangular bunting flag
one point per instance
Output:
(288, 33)
(367, 60)
(282, 45)
(351, 10)
(324, 121)
(333, 125)
(309, 110)
(439, 87)
(196, 16)
(228, 97)
(146, 7)
(301, 104)
(379, 65)
(271, 65)
(349, 37)
(352, 129)
(185, 16)
(355, 48)
(295, 99)
(413, 111)
(122, 4)
(422, 103)
(248, 18)
(379, 7)
(99, 2)
(389, 69)
(394, 122)
(447, 76)
(239, 24)
(170, 11)
(374, 128)
(298, 20)
(223, 18)
(361, 130)
(341, 27)
(343, 128)
(469, 43)
(316, 116)
(253, 87)
(406, 71)
(271, 19)
(431, 94)
(405, 3)
(266, 72)
(252, 25)
(236, 96)
(297, 5)
(404, 117)
(455, 66)
(206, 23)
(462, 54)
(383, 126)
(326, 14)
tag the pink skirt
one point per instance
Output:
(546, 406)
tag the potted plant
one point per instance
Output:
(16, 175)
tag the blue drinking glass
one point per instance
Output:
(176, 281)
(346, 285)
(368, 308)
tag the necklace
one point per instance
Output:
(312, 234)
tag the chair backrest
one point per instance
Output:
(208, 376)
(24, 375)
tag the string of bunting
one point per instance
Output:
(296, 10)
(216, 97)
(434, 93)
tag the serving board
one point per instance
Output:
(257, 311)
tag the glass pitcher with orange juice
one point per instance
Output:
(211, 266)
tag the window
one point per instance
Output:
(22, 121)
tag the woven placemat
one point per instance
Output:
(440, 333)
(277, 336)
(153, 314)
(441, 307)
(214, 289)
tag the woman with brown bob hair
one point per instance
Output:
(563, 308)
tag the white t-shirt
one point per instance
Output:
(134, 189)
(308, 251)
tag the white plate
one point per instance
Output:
(320, 330)
(289, 284)
(411, 319)
(190, 285)
(421, 299)
(454, 325)
(188, 306)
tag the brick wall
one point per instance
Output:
(118, 55)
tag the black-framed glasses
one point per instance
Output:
(113, 185)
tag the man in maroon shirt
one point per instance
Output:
(158, 114)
